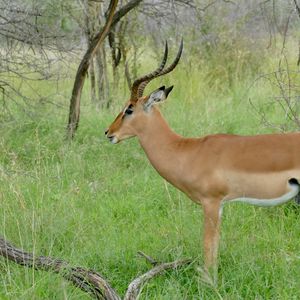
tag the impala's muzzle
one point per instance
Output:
(112, 138)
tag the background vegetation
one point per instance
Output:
(96, 204)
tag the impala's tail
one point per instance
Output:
(294, 181)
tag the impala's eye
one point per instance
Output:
(129, 110)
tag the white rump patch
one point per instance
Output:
(271, 202)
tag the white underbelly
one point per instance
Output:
(294, 190)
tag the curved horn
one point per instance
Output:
(150, 76)
(143, 84)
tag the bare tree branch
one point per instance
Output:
(151, 260)
(112, 19)
(82, 70)
(89, 281)
(298, 12)
(297, 7)
(127, 75)
(136, 285)
(124, 10)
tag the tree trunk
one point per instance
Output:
(82, 71)
(103, 85)
(103, 81)
(89, 19)
(93, 82)
(74, 112)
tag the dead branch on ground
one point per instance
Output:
(87, 280)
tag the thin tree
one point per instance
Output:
(82, 70)
(111, 20)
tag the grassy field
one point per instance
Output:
(95, 204)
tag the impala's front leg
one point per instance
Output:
(212, 222)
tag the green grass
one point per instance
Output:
(95, 204)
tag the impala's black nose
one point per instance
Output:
(106, 131)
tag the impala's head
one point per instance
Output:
(139, 108)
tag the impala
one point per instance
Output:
(212, 170)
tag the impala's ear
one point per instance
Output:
(157, 96)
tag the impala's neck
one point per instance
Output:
(161, 145)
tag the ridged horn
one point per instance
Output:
(148, 77)
(143, 84)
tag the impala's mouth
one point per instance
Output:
(113, 139)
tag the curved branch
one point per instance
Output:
(87, 280)
(136, 285)
(82, 70)
(124, 10)
(112, 19)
